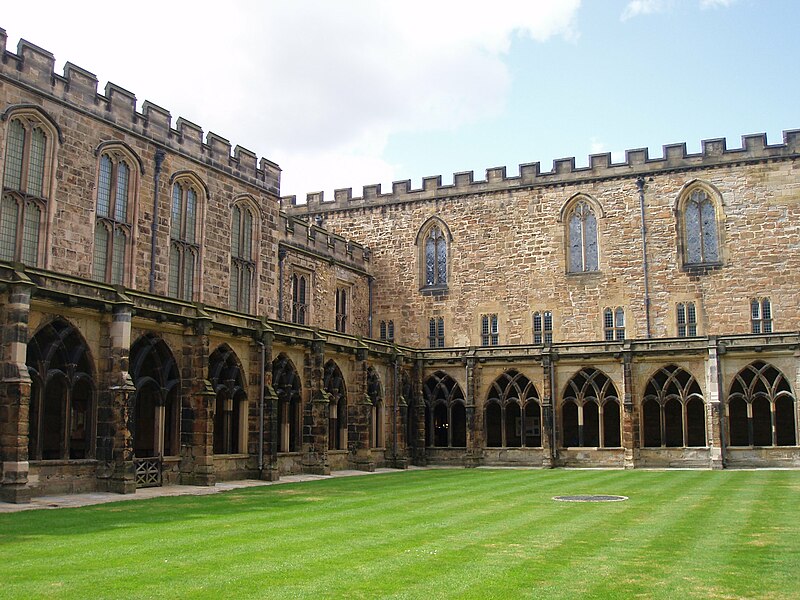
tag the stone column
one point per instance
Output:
(315, 413)
(263, 429)
(630, 416)
(474, 417)
(197, 408)
(114, 410)
(15, 390)
(399, 416)
(714, 409)
(419, 453)
(359, 417)
(548, 433)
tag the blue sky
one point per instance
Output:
(357, 92)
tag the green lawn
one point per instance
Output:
(453, 533)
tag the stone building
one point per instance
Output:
(167, 317)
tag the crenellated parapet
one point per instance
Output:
(714, 153)
(33, 67)
(303, 236)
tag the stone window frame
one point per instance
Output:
(185, 240)
(614, 324)
(668, 385)
(227, 377)
(301, 282)
(117, 153)
(244, 265)
(687, 195)
(542, 323)
(761, 315)
(344, 303)
(30, 117)
(386, 330)
(587, 386)
(438, 284)
(566, 216)
(513, 388)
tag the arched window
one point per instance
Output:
(342, 309)
(300, 298)
(590, 411)
(184, 249)
(673, 412)
(447, 415)
(513, 412)
(29, 163)
(156, 403)
(333, 384)
(433, 242)
(117, 179)
(243, 266)
(377, 416)
(230, 417)
(698, 223)
(582, 247)
(286, 383)
(761, 408)
(62, 407)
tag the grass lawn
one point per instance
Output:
(454, 533)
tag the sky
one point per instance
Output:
(359, 92)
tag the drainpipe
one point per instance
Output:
(369, 315)
(261, 409)
(281, 256)
(640, 187)
(396, 413)
(159, 159)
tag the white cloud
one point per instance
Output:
(317, 86)
(637, 8)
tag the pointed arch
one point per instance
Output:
(433, 243)
(188, 204)
(447, 411)
(378, 409)
(699, 218)
(286, 383)
(673, 410)
(156, 401)
(27, 206)
(590, 410)
(230, 417)
(761, 407)
(245, 236)
(580, 216)
(514, 400)
(117, 189)
(333, 384)
(62, 413)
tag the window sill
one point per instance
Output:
(586, 274)
(701, 268)
(434, 290)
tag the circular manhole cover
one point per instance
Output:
(590, 498)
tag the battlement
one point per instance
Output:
(301, 235)
(32, 66)
(714, 153)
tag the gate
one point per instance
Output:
(148, 471)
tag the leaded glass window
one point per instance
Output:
(582, 239)
(435, 257)
(614, 324)
(243, 266)
(184, 251)
(341, 309)
(490, 335)
(24, 197)
(700, 221)
(687, 319)
(436, 332)
(112, 227)
(543, 327)
(761, 315)
(299, 302)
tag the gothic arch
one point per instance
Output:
(434, 242)
(287, 386)
(230, 417)
(673, 410)
(62, 413)
(513, 413)
(446, 411)
(377, 410)
(156, 401)
(334, 385)
(590, 410)
(761, 407)
(700, 224)
(580, 217)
